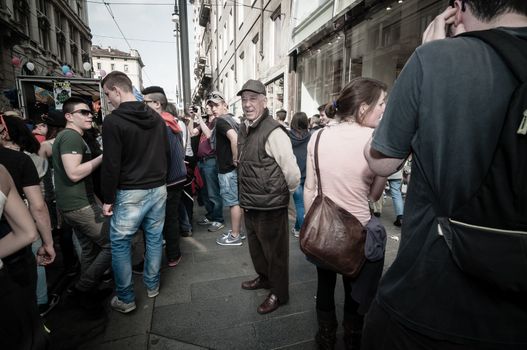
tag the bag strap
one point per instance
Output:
(511, 49)
(317, 170)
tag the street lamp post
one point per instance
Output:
(177, 36)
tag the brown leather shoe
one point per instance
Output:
(270, 304)
(257, 283)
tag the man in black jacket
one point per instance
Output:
(134, 169)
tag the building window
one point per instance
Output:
(79, 10)
(43, 24)
(112, 67)
(276, 30)
(126, 68)
(98, 65)
(22, 12)
(275, 95)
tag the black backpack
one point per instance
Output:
(487, 235)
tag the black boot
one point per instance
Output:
(326, 336)
(353, 331)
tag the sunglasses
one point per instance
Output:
(2, 121)
(83, 112)
(214, 96)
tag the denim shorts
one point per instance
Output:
(229, 188)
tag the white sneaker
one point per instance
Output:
(295, 232)
(121, 306)
(152, 293)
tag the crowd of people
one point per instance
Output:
(94, 183)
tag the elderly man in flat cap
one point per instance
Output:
(268, 173)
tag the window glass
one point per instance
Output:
(377, 48)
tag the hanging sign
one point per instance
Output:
(61, 92)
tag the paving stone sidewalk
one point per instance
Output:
(201, 304)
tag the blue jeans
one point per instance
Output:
(133, 209)
(209, 173)
(42, 286)
(298, 197)
(397, 197)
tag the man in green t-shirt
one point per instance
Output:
(73, 167)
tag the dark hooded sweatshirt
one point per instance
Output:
(299, 140)
(135, 150)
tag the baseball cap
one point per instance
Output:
(55, 118)
(254, 86)
(152, 90)
(215, 97)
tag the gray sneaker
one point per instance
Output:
(121, 306)
(204, 221)
(229, 240)
(242, 234)
(152, 293)
(215, 226)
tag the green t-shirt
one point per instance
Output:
(71, 195)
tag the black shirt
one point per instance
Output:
(446, 108)
(223, 147)
(24, 174)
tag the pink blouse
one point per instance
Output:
(345, 175)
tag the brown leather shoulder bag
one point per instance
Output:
(331, 236)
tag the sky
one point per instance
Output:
(149, 29)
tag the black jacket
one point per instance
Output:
(135, 150)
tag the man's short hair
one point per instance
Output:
(281, 114)
(69, 105)
(322, 107)
(152, 89)
(159, 97)
(118, 79)
(487, 10)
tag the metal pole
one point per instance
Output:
(185, 60)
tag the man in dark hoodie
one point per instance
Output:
(134, 168)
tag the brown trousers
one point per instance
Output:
(268, 237)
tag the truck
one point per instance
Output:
(39, 94)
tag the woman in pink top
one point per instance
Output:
(350, 183)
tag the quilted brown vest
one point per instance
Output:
(262, 183)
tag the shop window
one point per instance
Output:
(275, 95)
(377, 48)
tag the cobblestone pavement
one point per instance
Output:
(201, 304)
